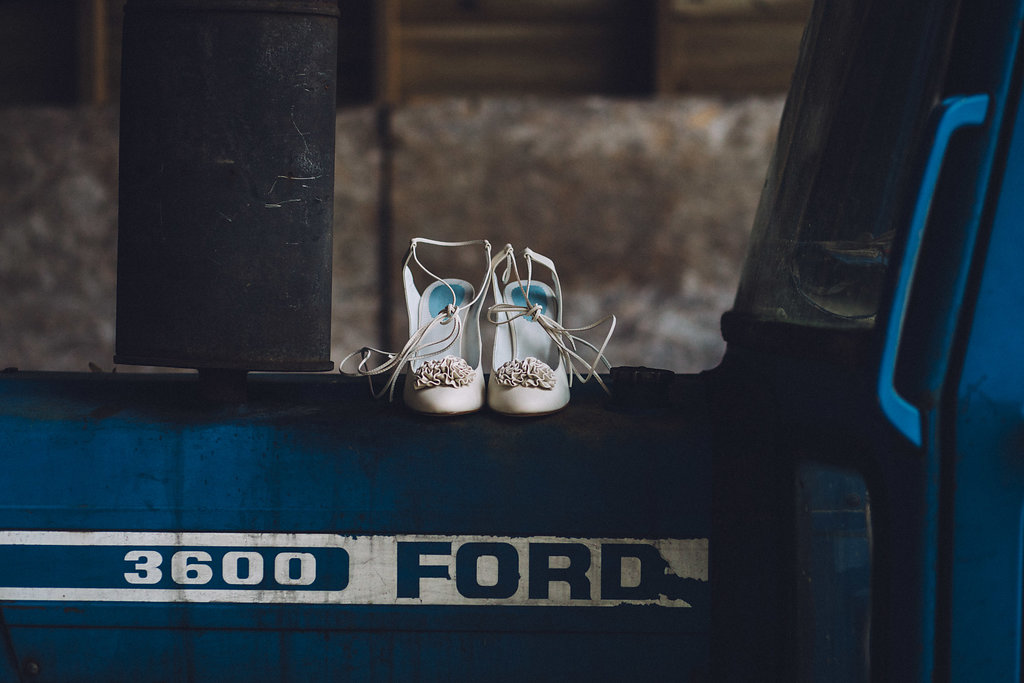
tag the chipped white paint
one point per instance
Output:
(362, 570)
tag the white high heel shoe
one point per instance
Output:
(442, 358)
(534, 355)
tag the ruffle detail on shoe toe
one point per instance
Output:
(528, 372)
(450, 371)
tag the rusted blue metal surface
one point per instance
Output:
(562, 507)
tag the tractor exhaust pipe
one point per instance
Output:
(226, 186)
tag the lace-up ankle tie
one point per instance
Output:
(567, 340)
(442, 354)
(419, 347)
(535, 357)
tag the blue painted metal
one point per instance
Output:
(953, 114)
(986, 455)
(887, 408)
(834, 547)
(985, 57)
(313, 454)
(790, 427)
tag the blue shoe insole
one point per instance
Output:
(440, 296)
(435, 298)
(531, 339)
(538, 294)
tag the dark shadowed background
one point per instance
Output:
(626, 140)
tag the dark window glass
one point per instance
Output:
(868, 75)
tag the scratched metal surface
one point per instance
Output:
(313, 454)
(226, 174)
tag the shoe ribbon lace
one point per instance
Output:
(566, 339)
(414, 350)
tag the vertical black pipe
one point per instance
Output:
(226, 184)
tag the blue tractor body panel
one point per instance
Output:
(840, 500)
(310, 467)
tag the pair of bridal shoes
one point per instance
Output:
(534, 357)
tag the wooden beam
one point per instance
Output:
(739, 9)
(731, 56)
(388, 67)
(519, 11)
(93, 57)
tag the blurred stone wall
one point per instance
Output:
(58, 238)
(644, 206)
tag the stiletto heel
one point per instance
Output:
(442, 356)
(534, 357)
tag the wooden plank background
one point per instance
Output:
(623, 47)
(533, 46)
(393, 51)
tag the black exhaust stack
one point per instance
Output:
(226, 186)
